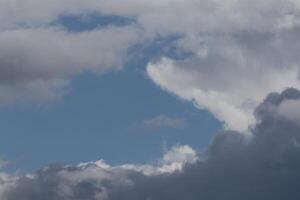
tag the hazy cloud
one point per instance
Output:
(163, 121)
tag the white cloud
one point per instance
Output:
(231, 96)
(173, 161)
(242, 53)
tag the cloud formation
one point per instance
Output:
(90, 181)
(262, 165)
(239, 51)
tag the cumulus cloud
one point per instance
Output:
(163, 121)
(262, 165)
(230, 71)
(240, 51)
(230, 94)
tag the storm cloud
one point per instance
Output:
(260, 164)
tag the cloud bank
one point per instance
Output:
(262, 165)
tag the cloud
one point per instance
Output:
(163, 121)
(92, 180)
(39, 56)
(229, 73)
(261, 165)
(231, 96)
(290, 109)
(239, 51)
(37, 63)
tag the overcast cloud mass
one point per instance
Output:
(261, 165)
(229, 55)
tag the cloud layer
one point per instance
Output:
(262, 165)
(239, 51)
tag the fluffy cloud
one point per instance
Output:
(239, 55)
(263, 165)
(231, 94)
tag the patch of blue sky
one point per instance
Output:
(101, 117)
(90, 21)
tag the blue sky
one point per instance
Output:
(102, 116)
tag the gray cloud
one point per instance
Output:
(262, 165)
(37, 63)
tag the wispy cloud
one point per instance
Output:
(163, 121)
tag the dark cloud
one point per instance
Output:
(263, 165)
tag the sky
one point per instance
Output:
(149, 100)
